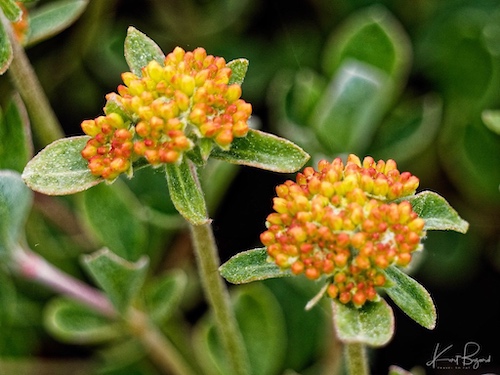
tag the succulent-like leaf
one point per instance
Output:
(140, 50)
(186, 193)
(437, 212)
(51, 18)
(239, 69)
(60, 169)
(265, 151)
(411, 297)
(11, 10)
(120, 279)
(251, 265)
(372, 324)
(72, 322)
(5, 50)
(15, 203)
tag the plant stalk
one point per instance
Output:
(217, 294)
(356, 360)
(45, 124)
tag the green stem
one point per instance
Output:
(218, 297)
(45, 123)
(356, 361)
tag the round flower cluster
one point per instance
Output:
(341, 222)
(165, 111)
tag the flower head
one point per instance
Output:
(167, 110)
(341, 222)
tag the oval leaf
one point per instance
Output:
(60, 169)
(251, 265)
(186, 193)
(120, 279)
(437, 212)
(140, 50)
(5, 50)
(52, 18)
(165, 295)
(411, 297)
(264, 151)
(15, 204)
(72, 322)
(239, 69)
(372, 324)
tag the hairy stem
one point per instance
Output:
(218, 297)
(356, 360)
(45, 124)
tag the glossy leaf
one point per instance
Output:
(186, 193)
(373, 37)
(411, 297)
(164, 295)
(15, 137)
(491, 118)
(239, 69)
(51, 18)
(11, 10)
(5, 50)
(60, 169)
(264, 151)
(351, 108)
(72, 322)
(15, 204)
(140, 50)
(120, 279)
(437, 212)
(113, 213)
(251, 265)
(372, 324)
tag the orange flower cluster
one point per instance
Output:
(166, 111)
(340, 222)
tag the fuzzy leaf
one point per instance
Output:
(15, 137)
(239, 69)
(251, 265)
(140, 50)
(52, 18)
(5, 50)
(60, 169)
(411, 297)
(72, 322)
(15, 204)
(120, 279)
(265, 151)
(437, 212)
(185, 192)
(165, 295)
(372, 324)
(11, 10)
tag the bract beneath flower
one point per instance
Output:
(166, 111)
(339, 221)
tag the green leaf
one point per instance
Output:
(60, 169)
(15, 137)
(411, 297)
(351, 108)
(372, 324)
(120, 279)
(6, 54)
(186, 193)
(112, 212)
(72, 322)
(239, 69)
(15, 204)
(11, 10)
(374, 37)
(140, 50)
(164, 295)
(437, 212)
(50, 19)
(265, 151)
(251, 265)
(260, 319)
(491, 118)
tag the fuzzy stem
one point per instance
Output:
(218, 297)
(356, 361)
(33, 267)
(45, 123)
